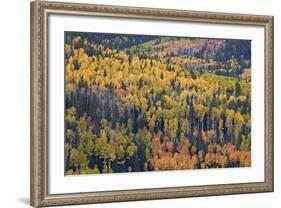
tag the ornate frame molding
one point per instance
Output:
(39, 103)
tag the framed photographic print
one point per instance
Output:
(140, 103)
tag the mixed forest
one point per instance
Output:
(138, 103)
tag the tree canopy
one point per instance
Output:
(145, 103)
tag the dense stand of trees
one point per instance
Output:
(133, 106)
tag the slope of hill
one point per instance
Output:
(224, 57)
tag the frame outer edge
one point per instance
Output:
(269, 104)
(33, 105)
(38, 197)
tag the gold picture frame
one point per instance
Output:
(39, 103)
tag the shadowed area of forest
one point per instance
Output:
(147, 103)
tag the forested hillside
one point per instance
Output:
(145, 103)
